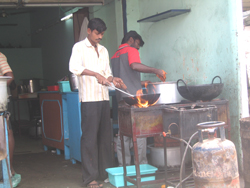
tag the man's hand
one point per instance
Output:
(102, 80)
(161, 74)
(119, 83)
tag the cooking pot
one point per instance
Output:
(3, 93)
(73, 81)
(31, 85)
(168, 91)
(173, 156)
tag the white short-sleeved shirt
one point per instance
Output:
(84, 57)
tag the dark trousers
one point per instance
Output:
(96, 140)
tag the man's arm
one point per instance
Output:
(146, 69)
(11, 79)
(101, 79)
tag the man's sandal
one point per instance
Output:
(94, 185)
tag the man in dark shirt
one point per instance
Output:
(126, 64)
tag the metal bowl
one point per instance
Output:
(168, 91)
(205, 92)
(173, 156)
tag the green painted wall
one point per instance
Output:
(25, 63)
(18, 35)
(195, 46)
(111, 14)
(56, 40)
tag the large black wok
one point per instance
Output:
(151, 98)
(205, 92)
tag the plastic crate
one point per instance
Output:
(116, 174)
(53, 88)
(64, 86)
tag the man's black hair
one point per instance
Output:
(97, 24)
(134, 35)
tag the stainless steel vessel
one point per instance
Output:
(173, 156)
(168, 91)
(31, 85)
(3, 93)
(73, 80)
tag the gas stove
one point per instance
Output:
(146, 122)
(136, 122)
(142, 122)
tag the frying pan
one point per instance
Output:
(151, 98)
(205, 92)
(132, 99)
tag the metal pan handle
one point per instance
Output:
(211, 124)
(182, 81)
(185, 85)
(216, 77)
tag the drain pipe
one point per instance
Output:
(124, 16)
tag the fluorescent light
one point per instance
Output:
(67, 17)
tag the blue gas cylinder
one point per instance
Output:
(214, 159)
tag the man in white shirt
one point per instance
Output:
(90, 62)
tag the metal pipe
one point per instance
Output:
(8, 5)
(124, 16)
(183, 157)
(11, 5)
(60, 4)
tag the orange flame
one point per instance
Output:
(143, 103)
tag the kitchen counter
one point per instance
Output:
(61, 121)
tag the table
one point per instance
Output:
(32, 112)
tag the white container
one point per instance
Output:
(3, 93)
(73, 81)
(168, 91)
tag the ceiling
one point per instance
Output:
(17, 4)
(15, 7)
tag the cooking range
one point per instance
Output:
(180, 118)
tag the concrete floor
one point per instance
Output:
(46, 169)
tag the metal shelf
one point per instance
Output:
(164, 15)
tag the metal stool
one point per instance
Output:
(5, 162)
